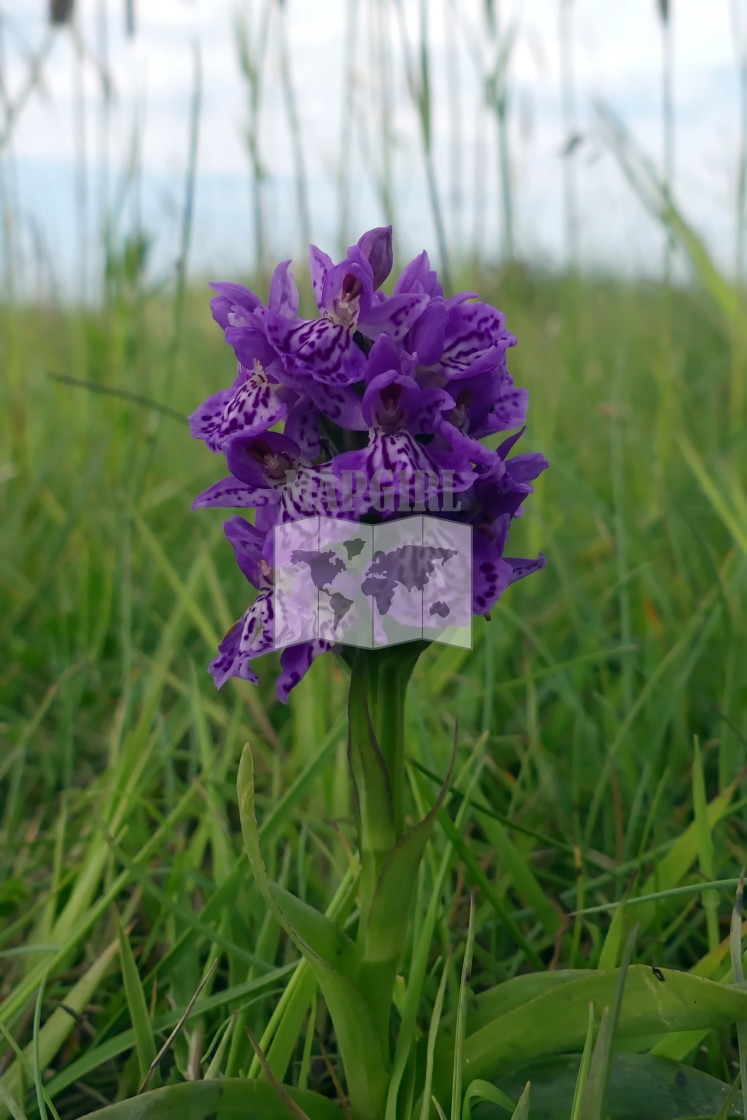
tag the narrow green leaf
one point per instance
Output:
(61, 1022)
(145, 1043)
(96, 1056)
(728, 1107)
(583, 1068)
(461, 1019)
(432, 1036)
(706, 854)
(514, 863)
(521, 1112)
(672, 868)
(609, 956)
(10, 1103)
(320, 940)
(388, 919)
(737, 968)
(330, 954)
(471, 771)
(479, 1091)
(593, 1099)
(215, 1068)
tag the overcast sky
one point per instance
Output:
(616, 56)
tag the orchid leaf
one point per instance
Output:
(388, 918)
(640, 1087)
(654, 1002)
(506, 997)
(330, 954)
(319, 939)
(225, 1099)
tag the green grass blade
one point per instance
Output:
(145, 1043)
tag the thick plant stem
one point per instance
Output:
(376, 752)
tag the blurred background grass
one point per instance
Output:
(606, 699)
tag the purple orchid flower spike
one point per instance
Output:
(375, 408)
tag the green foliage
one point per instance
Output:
(640, 1088)
(599, 777)
(120, 765)
(223, 1100)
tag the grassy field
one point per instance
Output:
(601, 713)
(600, 719)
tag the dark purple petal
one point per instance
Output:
(508, 411)
(386, 356)
(526, 467)
(491, 574)
(295, 662)
(521, 567)
(258, 628)
(250, 545)
(376, 246)
(469, 449)
(509, 443)
(490, 578)
(250, 637)
(471, 330)
(232, 494)
(234, 305)
(314, 490)
(229, 662)
(254, 408)
(250, 344)
(348, 290)
(418, 276)
(426, 338)
(266, 460)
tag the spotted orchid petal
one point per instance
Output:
(319, 264)
(318, 349)
(254, 408)
(206, 421)
(295, 662)
(231, 493)
(283, 298)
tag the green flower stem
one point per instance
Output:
(376, 751)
